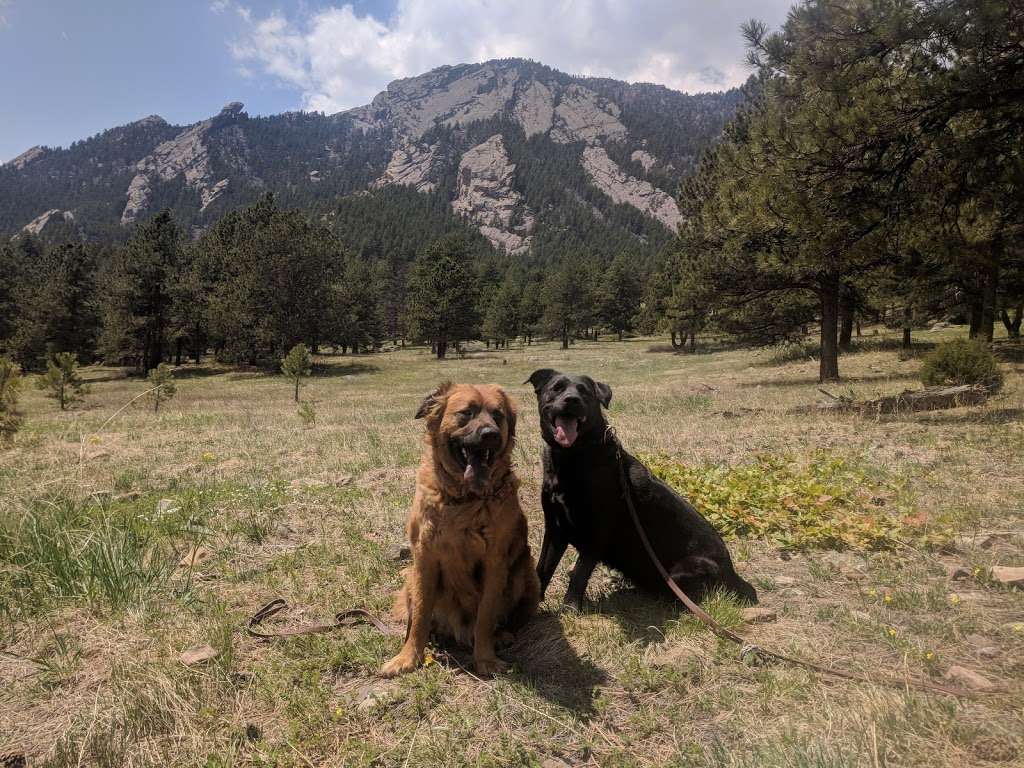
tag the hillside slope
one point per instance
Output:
(533, 158)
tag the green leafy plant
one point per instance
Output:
(162, 387)
(824, 503)
(962, 361)
(62, 380)
(10, 389)
(296, 365)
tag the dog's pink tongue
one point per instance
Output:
(565, 430)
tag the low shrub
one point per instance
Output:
(825, 503)
(961, 361)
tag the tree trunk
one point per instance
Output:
(988, 312)
(693, 342)
(828, 369)
(846, 324)
(177, 351)
(296, 389)
(908, 319)
(1012, 326)
(442, 349)
(565, 339)
(858, 327)
(976, 310)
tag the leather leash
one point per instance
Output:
(342, 620)
(748, 649)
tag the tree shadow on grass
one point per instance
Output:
(807, 381)
(338, 368)
(971, 416)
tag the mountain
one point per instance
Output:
(536, 160)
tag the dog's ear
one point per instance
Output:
(604, 392)
(540, 377)
(435, 401)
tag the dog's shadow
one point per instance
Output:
(642, 617)
(546, 662)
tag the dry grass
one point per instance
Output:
(310, 513)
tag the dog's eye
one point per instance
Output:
(559, 385)
(498, 417)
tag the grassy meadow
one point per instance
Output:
(128, 536)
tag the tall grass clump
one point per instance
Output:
(69, 550)
(962, 361)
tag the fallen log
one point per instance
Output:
(928, 399)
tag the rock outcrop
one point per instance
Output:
(581, 115)
(185, 155)
(26, 157)
(645, 158)
(410, 165)
(465, 94)
(485, 195)
(623, 188)
(38, 224)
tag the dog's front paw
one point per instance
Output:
(572, 605)
(488, 666)
(405, 661)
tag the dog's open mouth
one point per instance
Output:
(566, 427)
(475, 462)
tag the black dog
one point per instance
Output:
(584, 503)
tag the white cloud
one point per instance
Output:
(4, 4)
(338, 58)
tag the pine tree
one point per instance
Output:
(161, 383)
(10, 389)
(619, 295)
(567, 300)
(63, 380)
(296, 365)
(136, 294)
(441, 305)
(501, 321)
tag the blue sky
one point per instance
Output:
(72, 68)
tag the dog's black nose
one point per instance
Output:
(489, 437)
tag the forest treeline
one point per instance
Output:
(264, 278)
(876, 163)
(873, 170)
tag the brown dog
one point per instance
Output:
(472, 571)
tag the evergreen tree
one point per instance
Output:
(62, 380)
(501, 321)
(441, 306)
(619, 295)
(567, 300)
(297, 365)
(161, 383)
(10, 390)
(271, 275)
(136, 295)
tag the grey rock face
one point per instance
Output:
(410, 165)
(185, 155)
(646, 159)
(26, 157)
(623, 188)
(487, 197)
(39, 222)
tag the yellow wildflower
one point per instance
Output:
(887, 598)
(954, 599)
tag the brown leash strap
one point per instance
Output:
(748, 649)
(342, 620)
